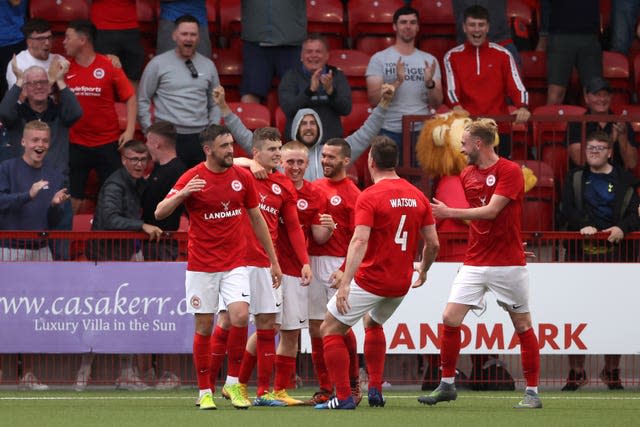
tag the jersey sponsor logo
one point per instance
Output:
(302, 204)
(335, 200)
(98, 73)
(236, 185)
(491, 180)
(276, 189)
(263, 197)
(195, 302)
(222, 214)
(225, 205)
(403, 202)
(267, 208)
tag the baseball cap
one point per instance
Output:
(597, 84)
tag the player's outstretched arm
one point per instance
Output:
(429, 253)
(168, 205)
(262, 233)
(489, 211)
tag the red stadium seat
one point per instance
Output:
(212, 21)
(523, 18)
(230, 21)
(281, 122)
(148, 11)
(615, 68)
(121, 110)
(371, 17)
(253, 116)
(353, 63)
(436, 17)
(373, 44)
(534, 76)
(437, 46)
(327, 17)
(360, 111)
(550, 137)
(59, 12)
(229, 65)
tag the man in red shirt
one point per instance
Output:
(221, 201)
(390, 218)
(326, 258)
(98, 85)
(480, 75)
(495, 259)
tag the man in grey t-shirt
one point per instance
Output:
(415, 75)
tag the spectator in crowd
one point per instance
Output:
(118, 33)
(178, 83)
(272, 33)
(170, 11)
(499, 31)
(600, 197)
(12, 17)
(574, 28)
(218, 244)
(317, 85)
(414, 74)
(167, 168)
(31, 195)
(98, 85)
(307, 128)
(481, 75)
(624, 16)
(597, 98)
(369, 287)
(34, 85)
(38, 36)
(119, 206)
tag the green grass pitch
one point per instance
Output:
(176, 408)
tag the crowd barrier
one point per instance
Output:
(52, 312)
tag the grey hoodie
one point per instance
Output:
(359, 140)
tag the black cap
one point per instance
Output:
(597, 84)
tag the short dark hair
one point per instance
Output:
(212, 132)
(134, 145)
(261, 135)
(85, 28)
(166, 130)
(317, 37)
(384, 152)
(405, 10)
(35, 25)
(345, 148)
(600, 136)
(476, 12)
(186, 18)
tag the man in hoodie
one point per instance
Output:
(307, 128)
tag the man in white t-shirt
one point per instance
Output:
(37, 33)
(414, 74)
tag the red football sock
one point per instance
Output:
(218, 351)
(375, 347)
(246, 367)
(352, 348)
(449, 350)
(235, 350)
(285, 369)
(336, 357)
(202, 360)
(317, 356)
(530, 356)
(266, 353)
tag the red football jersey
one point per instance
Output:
(396, 211)
(218, 225)
(311, 203)
(276, 193)
(495, 242)
(341, 196)
(98, 87)
(114, 14)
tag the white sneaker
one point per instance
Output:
(168, 381)
(82, 379)
(30, 382)
(128, 380)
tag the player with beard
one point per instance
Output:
(495, 258)
(219, 198)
